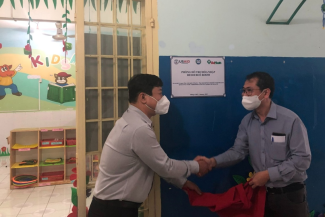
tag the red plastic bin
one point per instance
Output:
(51, 142)
(71, 141)
(52, 176)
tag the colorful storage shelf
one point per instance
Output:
(26, 143)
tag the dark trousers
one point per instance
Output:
(290, 204)
(102, 208)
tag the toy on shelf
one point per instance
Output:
(24, 181)
(53, 160)
(52, 142)
(18, 146)
(95, 170)
(71, 160)
(28, 162)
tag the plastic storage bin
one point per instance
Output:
(71, 141)
(52, 176)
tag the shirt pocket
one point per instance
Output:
(278, 151)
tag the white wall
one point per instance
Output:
(237, 28)
(10, 121)
(42, 12)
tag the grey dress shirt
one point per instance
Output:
(286, 161)
(130, 157)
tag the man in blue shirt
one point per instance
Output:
(277, 142)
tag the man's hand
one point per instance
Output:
(259, 179)
(210, 161)
(204, 168)
(192, 186)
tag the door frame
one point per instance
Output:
(151, 20)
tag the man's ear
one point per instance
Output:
(142, 98)
(267, 92)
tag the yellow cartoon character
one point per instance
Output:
(6, 75)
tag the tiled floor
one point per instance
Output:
(49, 201)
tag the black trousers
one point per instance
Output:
(291, 204)
(100, 208)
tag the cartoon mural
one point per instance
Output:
(6, 75)
(47, 80)
(61, 79)
(61, 91)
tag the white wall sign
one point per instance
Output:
(197, 76)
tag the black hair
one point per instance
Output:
(142, 83)
(264, 81)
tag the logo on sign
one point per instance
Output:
(213, 62)
(198, 61)
(181, 61)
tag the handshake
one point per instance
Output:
(205, 165)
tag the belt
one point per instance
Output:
(118, 203)
(289, 188)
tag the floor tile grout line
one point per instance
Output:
(24, 202)
(29, 197)
(49, 200)
(9, 194)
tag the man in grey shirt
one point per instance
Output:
(131, 155)
(277, 142)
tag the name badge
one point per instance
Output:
(278, 137)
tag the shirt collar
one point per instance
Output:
(271, 114)
(142, 115)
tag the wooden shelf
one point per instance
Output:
(42, 164)
(29, 139)
(50, 147)
(67, 178)
(94, 161)
(16, 166)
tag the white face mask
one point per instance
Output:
(251, 102)
(162, 105)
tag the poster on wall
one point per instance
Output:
(197, 76)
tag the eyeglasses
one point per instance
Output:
(248, 91)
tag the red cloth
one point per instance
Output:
(239, 201)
